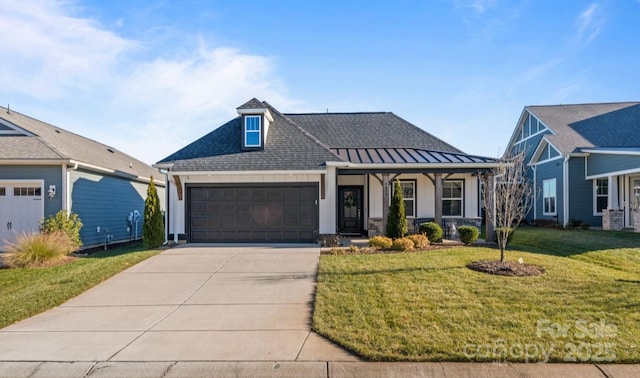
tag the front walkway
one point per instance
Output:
(190, 303)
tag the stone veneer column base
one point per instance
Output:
(612, 219)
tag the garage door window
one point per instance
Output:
(27, 191)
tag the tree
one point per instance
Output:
(510, 200)
(397, 220)
(153, 226)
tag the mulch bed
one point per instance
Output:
(506, 268)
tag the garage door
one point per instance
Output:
(21, 209)
(252, 213)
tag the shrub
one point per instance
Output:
(36, 250)
(468, 234)
(397, 220)
(432, 230)
(380, 241)
(499, 232)
(419, 240)
(153, 226)
(66, 222)
(402, 244)
(584, 226)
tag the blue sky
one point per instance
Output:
(148, 77)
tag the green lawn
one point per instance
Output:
(427, 306)
(26, 292)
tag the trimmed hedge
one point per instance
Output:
(468, 234)
(432, 230)
(419, 240)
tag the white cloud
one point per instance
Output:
(45, 49)
(479, 6)
(148, 107)
(589, 24)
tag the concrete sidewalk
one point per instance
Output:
(224, 311)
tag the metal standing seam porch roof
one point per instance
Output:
(405, 155)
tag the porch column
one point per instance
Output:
(385, 201)
(489, 200)
(438, 199)
(612, 198)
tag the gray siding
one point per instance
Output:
(51, 174)
(602, 164)
(581, 194)
(546, 171)
(105, 202)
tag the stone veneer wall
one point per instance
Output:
(374, 227)
(635, 219)
(612, 219)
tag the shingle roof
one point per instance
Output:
(368, 130)
(308, 141)
(591, 125)
(54, 143)
(287, 147)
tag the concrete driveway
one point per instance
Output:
(191, 303)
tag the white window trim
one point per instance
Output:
(259, 131)
(555, 197)
(461, 199)
(596, 195)
(412, 182)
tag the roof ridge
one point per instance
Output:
(304, 131)
(333, 113)
(585, 103)
(428, 133)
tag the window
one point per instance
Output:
(409, 196)
(252, 137)
(3, 191)
(549, 197)
(600, 195)
(452, 199)
(27, 191)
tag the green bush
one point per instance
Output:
(584, 226)
(432, 230)
(66, 222)
(402, 244)
(419, 241)
(37, 250)
(468, 234)
(380, 241)
(498, 234)
(153, 226)
(397, 220)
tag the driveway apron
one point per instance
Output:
(191, 303)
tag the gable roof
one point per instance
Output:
(39, 142)
(288, 147)
(590, 125)
(368, 130)
(309, 141)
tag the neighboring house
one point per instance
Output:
(44, 169)
(271, 177)
(584, 160)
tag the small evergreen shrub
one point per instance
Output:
(380, 241)
(402, 244)
(37, 250)
(432, 230)
(419, 240)
(584, 226)
(468, 234)
(153, 226)
(66, 222)
(397, 220)
(498, 234)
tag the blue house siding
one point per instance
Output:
(603, 164)
(546, 171)
(106, 201)
(581, 194)
(51, 174)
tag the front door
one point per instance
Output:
(350, 209)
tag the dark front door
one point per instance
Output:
(350, 209)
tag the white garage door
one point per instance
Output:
(21, 209)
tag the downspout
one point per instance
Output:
(535, 192)
(565, 190)
(66, 182)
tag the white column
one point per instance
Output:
(612, 198)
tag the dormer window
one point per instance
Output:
(252, 131)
